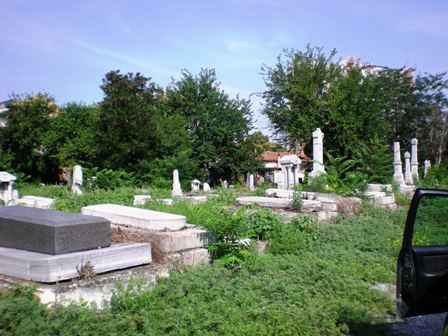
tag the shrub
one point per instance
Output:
(294, 237)
(109, 179)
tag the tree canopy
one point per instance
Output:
(352, 103)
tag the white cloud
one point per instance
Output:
(125, 58)
(241, 45)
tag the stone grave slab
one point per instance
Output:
(137, 217)
(50, 231)
(36, 202)
(271, 202)
(279, 193)
(48, 268)
(141, 199)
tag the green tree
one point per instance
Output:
(216, 124)
(433, 108)
(138, 132)
(350, 102)
(261, 143)
(28, 118)
(72, 135)
(297, 87)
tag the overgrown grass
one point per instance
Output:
(314, 280)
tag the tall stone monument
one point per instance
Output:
(407, 169)
(77, 180)
(318, 153)
(414, 158)
(177, 190)
(398, 167)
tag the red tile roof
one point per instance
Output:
(270, 156)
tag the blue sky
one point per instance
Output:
(66, 47)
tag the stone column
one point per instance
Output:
(286, 177)
(251, 182)
(407, 169)
(398, 168)
(177, 191)
(414, 158)
(427, 167)
(318, 153)
(294, 175)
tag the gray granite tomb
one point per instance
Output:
(50, 231)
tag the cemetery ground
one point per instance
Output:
(313, 279)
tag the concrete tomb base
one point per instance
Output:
(183, 247)
(96, 292)
(137, 217)
(407, 190)
(52, 268)
(380, 199)
(50, 231)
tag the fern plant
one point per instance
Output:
(343, 178)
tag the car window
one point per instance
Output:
(431, 222)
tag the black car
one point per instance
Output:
(422, 272)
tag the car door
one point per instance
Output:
(422, 268)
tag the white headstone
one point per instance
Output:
(247, 180)
(414, 158)
(15, 196)
(77, 180)
(225, 184)
(407, 169)
(318, 153)
(251, 182)
(195, 185)
(206, 187)
(177, 191)
(427, 167)
(398, 168)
